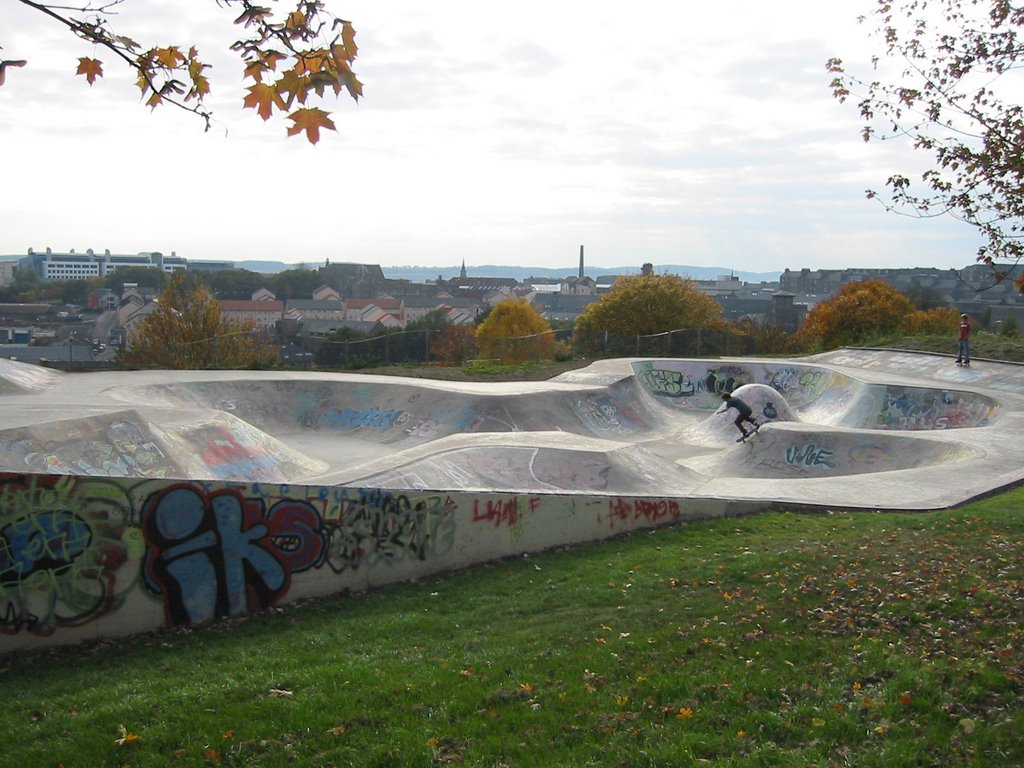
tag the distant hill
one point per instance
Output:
(423, 274)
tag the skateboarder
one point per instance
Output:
(743, 413)
(963, 350)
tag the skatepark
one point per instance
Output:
(846, 429)
(134, 500)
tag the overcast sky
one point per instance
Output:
(671, 133)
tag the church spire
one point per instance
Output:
(462, 272)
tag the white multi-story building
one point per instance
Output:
(81, 266)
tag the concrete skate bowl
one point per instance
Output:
(616, 427)
(819, 423)
(405, 433)
(815, 395)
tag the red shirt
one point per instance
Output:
(965, 329)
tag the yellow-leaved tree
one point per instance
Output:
(187, 331)
(646, 304)
(291, 59)
(857, 313)
(514, 332)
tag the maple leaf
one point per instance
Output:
(355, 88)
(348, 38)
(320, 80)
(312, 61)
(169, 57)
(91, 68)
(293, 86)
(263, 98)
(200, 83)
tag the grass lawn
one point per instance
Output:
(779, 639)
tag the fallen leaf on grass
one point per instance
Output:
(127, 737)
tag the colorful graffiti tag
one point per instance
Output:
(60, 553)
(78, 552)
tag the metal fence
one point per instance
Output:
(421, 347)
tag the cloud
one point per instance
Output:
(654, 132)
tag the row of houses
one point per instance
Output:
(322, 314)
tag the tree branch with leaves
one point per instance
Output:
(293, 60)
(953, 96)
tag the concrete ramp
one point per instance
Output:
(545, 462)
(403, 412)
(627, 426)
(22, 377)
(125, 443)
(798, 451)
(720, 428)
(817, 394)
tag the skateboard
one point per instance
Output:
(749, 434)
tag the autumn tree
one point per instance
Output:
(187, 331)
(446, 342)
(290, 60)
(936, 321)
(858, 312)
(954, 94)
(648, 304)
(514, 332)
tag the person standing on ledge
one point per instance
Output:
(963, 350)
(743, 413)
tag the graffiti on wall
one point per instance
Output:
(62, 546)
(375, 526)
(603, 414)
(915, 409)
(799, 384)
(73, 550)
(626, 513)
(810, 455)
(122, 448)
(682, 383)
(216, 554)
(233, 449)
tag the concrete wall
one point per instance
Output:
(90, 557)
(817, 394)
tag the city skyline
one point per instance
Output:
(664, 135)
